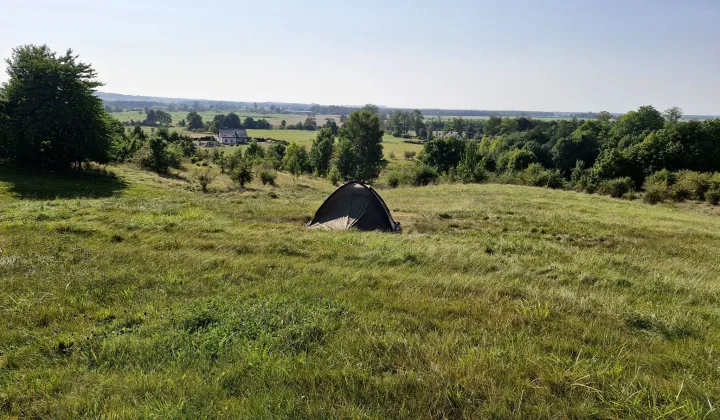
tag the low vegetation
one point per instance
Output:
(130, 294)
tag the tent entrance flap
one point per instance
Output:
(354, 205)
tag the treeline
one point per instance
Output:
(232, 120)
(601, 155)
(311, 124)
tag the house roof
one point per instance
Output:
(232, 132)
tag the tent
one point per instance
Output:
(354, 205)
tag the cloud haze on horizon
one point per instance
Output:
(558, 56)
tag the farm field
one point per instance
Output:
(274, 119)
(136, 295)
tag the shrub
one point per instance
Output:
(519, 159)
(417, 175)
(393, 180)
(654, 193)
(242, 173)
(423, 175)
(392, 155)
(268, 177)
(470, 174)
(617, 187)
(679, 192)
(696, 184)
(159, 156)
(334, 175)
(713, 197)
(663, 177)
(204, 177)
(538, 176)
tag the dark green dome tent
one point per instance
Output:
(354, 205)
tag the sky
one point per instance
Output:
(549, 55)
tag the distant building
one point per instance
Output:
(232, 136)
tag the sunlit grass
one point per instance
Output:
(139, 296)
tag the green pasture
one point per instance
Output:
(131, 295)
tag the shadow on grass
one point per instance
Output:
(29, 183)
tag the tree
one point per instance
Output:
(332, 125)
(296, 160)
(163, 117)
(582, 145)
(231, 120)
(150, 117)
(492, 126)
(321, 151)
(242, 172)
(519, 159)
(372, 109)
(673, 115)
(363, 133)
(274, 154)
(194, 121)
(310, 124)
(345, 160)
(443, 154)
(283, 123)
(254, 151)
(470, 167)
(249, 123)
(604, 116)
(160, 157)
(40, 126)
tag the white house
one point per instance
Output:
(232, 136)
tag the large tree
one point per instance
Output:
(673, 115)
(50, 114)
(194, 121)
(364, 136)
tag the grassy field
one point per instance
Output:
(274, 119)
(137, 296)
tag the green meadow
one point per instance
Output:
(131, 295)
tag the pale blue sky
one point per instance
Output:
(534, 55)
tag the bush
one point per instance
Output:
(469, 174)
(617, 187)
(654, 193)
(159, 156)
(536, 175)
(392, 155)
(518, 159)
(713, 197)
(393, 180)
(416, 175)
(694, 184)
(664, 177)
(242, 173)
(204, 177)
(679, 192)
(334, 175)
(268, 177)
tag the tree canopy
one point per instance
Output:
(362, 135)
(49, 113)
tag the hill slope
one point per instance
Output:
(137, 296)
